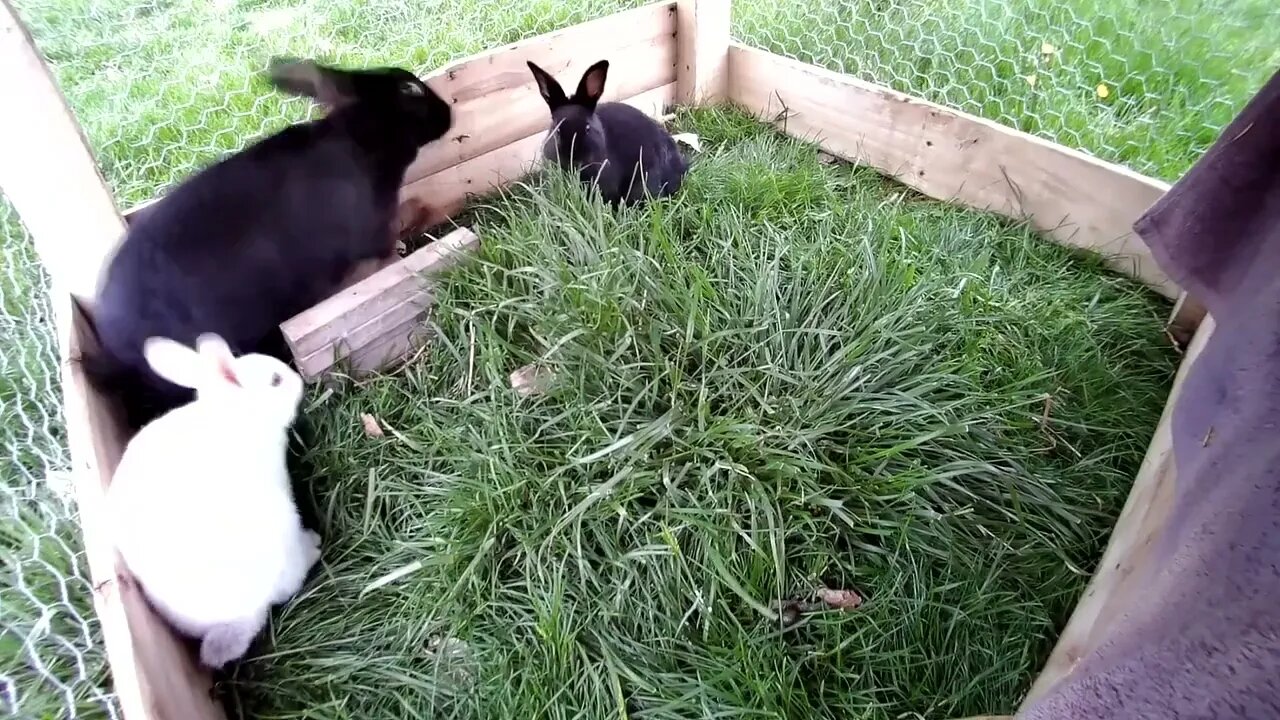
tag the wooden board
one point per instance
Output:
(1112, 588)
(376, 320)
(48, 171)
(1075, 199)
(449, 190)
(496, 101)
(702, 51)
(1185, 319)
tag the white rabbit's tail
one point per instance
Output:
(229, 641)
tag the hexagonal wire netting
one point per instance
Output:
(163, 87)
(1145, 86)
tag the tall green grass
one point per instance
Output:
(794, 375)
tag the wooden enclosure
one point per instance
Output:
(665, 53)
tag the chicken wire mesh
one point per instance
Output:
(1145, 84)
(162, 87)
(51, 659)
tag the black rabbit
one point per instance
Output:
(248, 242)
(622, 151)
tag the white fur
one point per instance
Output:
(201, 505)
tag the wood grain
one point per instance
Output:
(1185, 319)
(373, 322)
(1075, 199)
(702, 51)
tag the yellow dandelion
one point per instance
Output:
(1103, 91)
(1031, 79)
(1047, 49)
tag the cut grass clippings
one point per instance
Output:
(793, 378)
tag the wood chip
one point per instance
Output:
(530, 380)
(371, 426)
(840, 599)
(689, 139)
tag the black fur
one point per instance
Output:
(252, 240)
(613, 146)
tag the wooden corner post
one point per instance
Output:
(49, 174)
(702, 51)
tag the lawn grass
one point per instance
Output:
(163, 87)
(795, 375)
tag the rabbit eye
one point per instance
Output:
(276, 379)
(412, 89)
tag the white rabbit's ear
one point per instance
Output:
(174, 362)
(216, 356)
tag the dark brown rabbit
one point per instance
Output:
(613, 146)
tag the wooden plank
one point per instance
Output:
(1114, 588)
(702, 51)
(153, 673)
(448, 191)
(362, 323)
(1075, 199)
(49, 174)
(495, 99)
(395, 345)
(1184, 319)
(48, 171)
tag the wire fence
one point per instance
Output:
(51, 659)
(163, 87)
(1145, 85)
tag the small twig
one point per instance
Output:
(1044, 421)
(1017, 192)
(785, 114)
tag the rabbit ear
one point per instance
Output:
(591, 86)
(548, 87)
(174, 362)
(326, 85)
(215, 354)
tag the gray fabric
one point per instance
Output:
(1205, 642)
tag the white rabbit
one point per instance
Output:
(201, 504)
